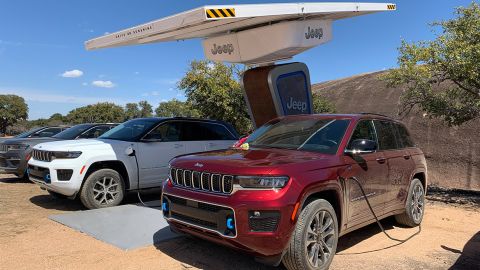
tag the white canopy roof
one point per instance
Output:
(211, 21)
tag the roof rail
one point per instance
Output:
(378, 114)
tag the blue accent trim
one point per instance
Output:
(230, 224)
(164, 206)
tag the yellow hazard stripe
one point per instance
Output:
(213, 13)
(391, 7)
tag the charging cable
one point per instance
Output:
(378, 221)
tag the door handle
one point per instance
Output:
(178, 145)
(406, 156)
(381, 160)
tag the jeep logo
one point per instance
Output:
(297, 105)
(314, 33)
(226, 48)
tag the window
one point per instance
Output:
(320, 135)
(386, 135)
(167, 132)
(404, 136)
(94, 132)
(73, 132)
(48, 132)
(200, 131)
(130, 131)
(363, 131)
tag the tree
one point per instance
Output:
(322, 105)
(213, 89)
(146, 109)
(442, 76)
(131, 111)
(12, 109)
(98, 113)
(174, 108)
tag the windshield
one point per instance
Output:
(73, 132)
(130, 131)
(28, 133)
(318, 135)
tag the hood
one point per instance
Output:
(255, 161)
(29, 141)
(82, 145)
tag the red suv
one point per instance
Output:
(289, 193)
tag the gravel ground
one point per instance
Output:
(449, 239)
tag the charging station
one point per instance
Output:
(257, 35)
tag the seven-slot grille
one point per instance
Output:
(42, 155)
(204, 181)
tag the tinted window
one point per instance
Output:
(131, 130)
(73, 132)
(363, 131)
(48, 132)
(167, 132)
(94, 132)
(404, 136)
(28, 133)
(319, 135)
(199, 131)
(386, 135)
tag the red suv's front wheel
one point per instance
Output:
(314, 240)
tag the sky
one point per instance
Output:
(43, 59)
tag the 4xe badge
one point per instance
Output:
(222, 49)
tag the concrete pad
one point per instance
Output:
(126, 226)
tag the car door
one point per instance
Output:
(156, 149)
(399, 163)
(371, 170)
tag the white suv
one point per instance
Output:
(131, 156)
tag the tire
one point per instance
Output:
(414, 207)
(299, 251)
(103, 188)
(57, 195)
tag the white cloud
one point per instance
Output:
(72, 73)
(103, 84)
(84, 83)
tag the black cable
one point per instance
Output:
(138, 178)
(376, 218)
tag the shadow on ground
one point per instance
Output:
(49, 202)
(470, 256)
(15, 180)
(196, 252)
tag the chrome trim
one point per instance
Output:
(193, 181)
(223, 183)
(178, 178)
(208, 179)
(184, 178)
(211, 182)
(198, 226)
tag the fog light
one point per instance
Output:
(230, 223)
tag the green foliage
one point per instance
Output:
(98, 113)
(131, 111)
(442, 76)
(174, 108)
(146, 109)
(212, 88)
(12, 109)
(322, 105)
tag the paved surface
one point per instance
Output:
(450, 239)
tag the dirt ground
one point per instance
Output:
(449, 239)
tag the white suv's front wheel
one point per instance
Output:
(102, 188)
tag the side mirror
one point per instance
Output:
(362, 146)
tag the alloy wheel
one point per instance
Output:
(106, 190)
(417, 203)
(320, 239)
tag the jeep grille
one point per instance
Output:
(203, 181)
(42, 155)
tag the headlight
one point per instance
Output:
(17, 146)
(262, 182)
(64, 155)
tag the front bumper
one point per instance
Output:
(267, 246)
(13, 162)
(45, 174)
